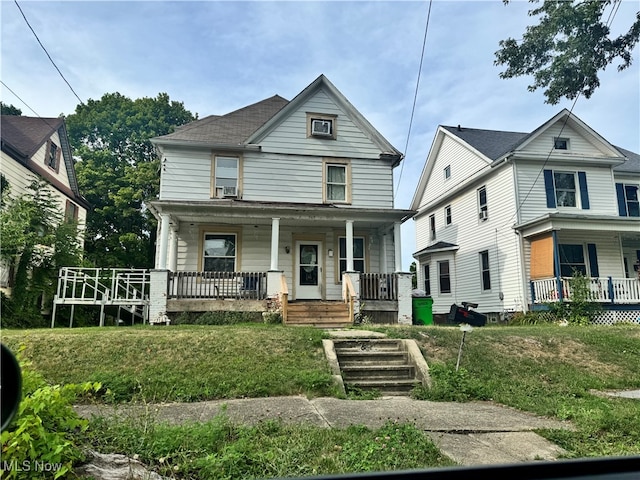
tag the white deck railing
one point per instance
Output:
(603, 290)
(378, 286)
(218, 285)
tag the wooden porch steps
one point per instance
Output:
(321, 314)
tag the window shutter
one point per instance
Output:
(549, 189)
(593, 260)
(584, 194)
(622, 204)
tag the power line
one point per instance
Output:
(45, 51)
(415, 97)
(25, 103)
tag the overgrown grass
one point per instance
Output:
(549, 370)
(221, 450)
(544, 369)
(186, 363)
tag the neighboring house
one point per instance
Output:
(33, 148)
(503, 218)
(278, 197)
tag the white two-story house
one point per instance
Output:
(279, 197)
(505, 218)
(38, 148)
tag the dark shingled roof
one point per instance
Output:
(494, 144)
(491, 143)
(436, 247)
(230, 129)
(25, 135)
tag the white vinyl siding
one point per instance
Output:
(579, 145)
(291, 135)
(462, 162)
(186, 174)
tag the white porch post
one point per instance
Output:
(172, 260)
(383, 260)
(161, 263)
(349, 242)
(398, 247)
(275, 240)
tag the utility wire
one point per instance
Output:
(25, 103)
(45, 51)
(415, 97)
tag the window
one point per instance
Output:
(483, 212)
(432, 227)
(628, 200)
(53, 156)
(427, 279)
(561, 191)
(358, 254)
(226, 176)
(484, 270)
(70, 212)
(322, 126)
(447, 172)
(561, 143)
(445, 277)
(336, 181)
(565, 183)
(447, 215)
(571, 260)
(219, 252)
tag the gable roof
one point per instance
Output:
(232, 129)
(23, 136)
(497, 144)
(249, 125)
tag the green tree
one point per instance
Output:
(568, 48)
(118, 172)
(414, 275)
(6, 109)
(36, 242)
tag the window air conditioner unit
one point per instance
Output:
(483, 215)
(229, 192)
(321, 128)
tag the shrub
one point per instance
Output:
(530, 318)
(41, 442)
(581, 310)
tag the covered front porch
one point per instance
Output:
(605, 250)
(239, 255)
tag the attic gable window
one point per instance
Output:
(561, 143)
(322, 126)
(52, 158)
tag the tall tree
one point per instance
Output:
(8, 109)
(569, 47)
(118, 172)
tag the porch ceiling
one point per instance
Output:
(627, 227)
(239, 212)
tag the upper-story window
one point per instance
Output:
(322, 125)
(52, 158)
(560, 143)
(226, 173)
(483, 211)
(432, 227)
(337, 181)
(447, 215)
(628, 200)
(70, 212)
(447, 172)
(566, 189)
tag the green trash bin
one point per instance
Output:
(422, 308)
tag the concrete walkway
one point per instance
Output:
(472, 433)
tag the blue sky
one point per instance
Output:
(217, 56)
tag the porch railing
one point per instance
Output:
(218, 285)
(378, 286)
(602, 290)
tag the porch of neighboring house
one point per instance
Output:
(610, 261)
(243, 256)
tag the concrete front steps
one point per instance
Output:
(318, 313)
(383, 365)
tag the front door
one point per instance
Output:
(308, 270)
